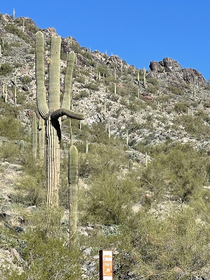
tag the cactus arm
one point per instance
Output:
(64, 112)
(54, 74)
(40, 87)
(67, 98)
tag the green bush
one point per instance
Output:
(92, 86)
(44, 248)
(109, 199)
(9, 151)
(175, 90)
(103, 70)
(11, 128)
(5, 69)
(180, 171)
(194, 125)
(181, 107)
(26, 80)
(11, 28)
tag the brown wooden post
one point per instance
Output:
(105, 265)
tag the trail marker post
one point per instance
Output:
(105, 265)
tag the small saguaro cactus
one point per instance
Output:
(130, 164)
(73, 164)
(51, 112)
(86, 146)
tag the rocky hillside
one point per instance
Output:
(131, 114)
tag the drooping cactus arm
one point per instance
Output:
(67, 97)
(64, 112)
(40, 87)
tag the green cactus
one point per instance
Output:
(67, 99)
(51, 111)
(146, 160)
(86, 146)
(34, 136)
(130, 164)
(21, 145)
(127, 137)
(41, 139)
(115, 88)
(138, 77)
(73, 164)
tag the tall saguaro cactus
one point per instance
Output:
(50, 111)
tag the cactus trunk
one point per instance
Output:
(73, 192)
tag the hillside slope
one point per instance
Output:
(143, 187)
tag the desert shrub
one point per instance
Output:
(109, 79)
(103, 70)
(181, 107)
(81, 94)
(193, 125)
(5, 69)
(152, 89)
(26, 79)
(7, 110)
(175, 90)
(109, 199)
(152, 81)
(92, 86)
(21, 98)
(180, 171)
(32, 28)
(9, 151)
(11, 128)
(16, 31)
(80, 79)
(45, 249)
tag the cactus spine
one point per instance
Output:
(34, 136)
(51, 111)
(73, 164)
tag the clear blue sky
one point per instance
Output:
(137, 31)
